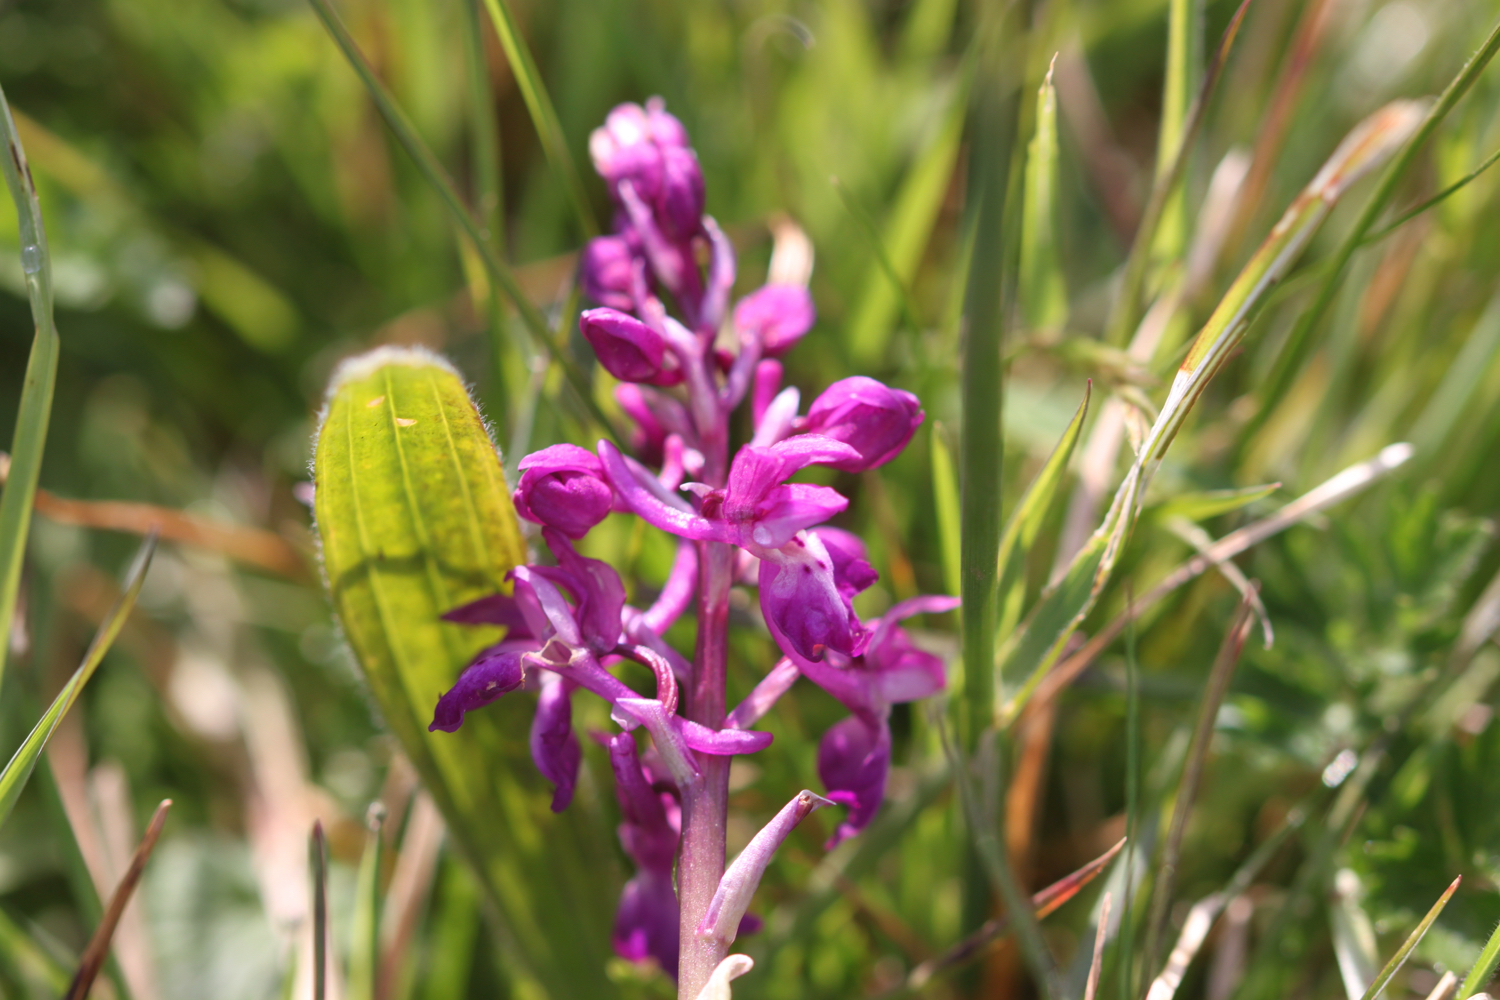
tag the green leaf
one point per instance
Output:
(945, 500)
(16, 773)
(1211, 503)
(907, 232)
(36, 391)
(1043, 295)
(415, 519)
(1029, 516)
(26, 960)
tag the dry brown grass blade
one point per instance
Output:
(98, 949)
(1046, 902)
(253, 546)
(1192, 774)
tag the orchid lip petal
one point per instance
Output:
(554, 745)
(732, 898)
(493, 673)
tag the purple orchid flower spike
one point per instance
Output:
(872, 418)
(563, 487)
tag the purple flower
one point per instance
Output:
(777, 314)
(758, 511)
(874, 419)
(679, 206)
(646, 923)
(628, 349)
(494, 672)
(607, 271)
(554, 746)
(855, 755)
(563, 487)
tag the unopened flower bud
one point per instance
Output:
(628, 349)
(874, 419)
(622, 149)
(778, 314)
(607, 271)
(679, 205)
(563, 487)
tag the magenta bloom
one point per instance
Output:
(777, 314)
(646, 923)
(628, 349)
(607, 271)
(803, 605)
(874, 419)
(855, 755)
(563, 487)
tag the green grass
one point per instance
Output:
(236, 199)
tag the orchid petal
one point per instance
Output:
(802, 604)
(768, 373)
(646, 922)
(775, 420)
(788, 509)
(492, 674)
(554, 745)
(876, 420)
(649, 506)
(854, 759)
(563, 486)
(603, 597)
(551, 602)
(492, 609)
(678, 592)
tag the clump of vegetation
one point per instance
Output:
(1161, 337)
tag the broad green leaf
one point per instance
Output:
(364, 930)
(35, 413)
(16, 773)
(1211, 503)
(907, 231)
(1029, 516)
(1027, 656)
(1044, 296)
(945, 500)
(415, 519)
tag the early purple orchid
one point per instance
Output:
(739, 519)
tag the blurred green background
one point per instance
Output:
(229, 218)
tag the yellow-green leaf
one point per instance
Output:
(415, 518)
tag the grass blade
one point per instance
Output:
(1125, 311)
(1030, 514)
(1441, 196)
(1096, 965)
(98, 948)
(1299, 341)
(1484, 969)
(364, 947)
(945, 503)
(883, 260)
(318, 849)
(1042, 291)
(35, 412)
(1068, 602)
(543, 115)
(26, 960)
(16, 773)
(427, 164)
(1404, 952)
